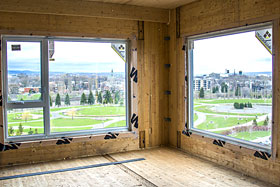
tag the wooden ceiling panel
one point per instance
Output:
(166, 4)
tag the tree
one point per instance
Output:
(266, 121)
(108, 97)
(91, 99)
(83, 99)
(255, 122)
(67, 100)
(57, 100)
(25, 116)
(11, 131)
(236, 105)
(99, 98)
(51, 103)
(224, 88)
(250, 105)
(201, 93)
(241, 106)
(72, 113)
(117, 97)
(30, 131)
(20, 129)
(36, 131)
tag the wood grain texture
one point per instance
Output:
(213, 15)
(161, 167)
(51, 25)
(166, 4)
(85, 9)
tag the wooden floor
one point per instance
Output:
(162, 167)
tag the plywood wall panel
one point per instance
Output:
(214, 15)
(85, 9)
(38, 24)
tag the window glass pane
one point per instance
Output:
(24, 70)
(27, 121)
(232, 86)
(87, 86)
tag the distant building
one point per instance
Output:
(204, 83)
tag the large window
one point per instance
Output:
(230, 85)
(57, 86)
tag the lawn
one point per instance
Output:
(68, 122)
(17, 117)
(218, 101)
(206, 109)
(251, 135)
(214, 122)
(195, 117)
(117, 124)
(27, 97)
(102, 110)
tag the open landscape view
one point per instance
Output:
(232, 87)
(87, 87)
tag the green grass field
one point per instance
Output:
(220, 101)
(214, 122)
(195, 117)
(251, 136)
(206, 109)
(117, 124)
(100, 111)
(29, 97)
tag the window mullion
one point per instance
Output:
(45, 85)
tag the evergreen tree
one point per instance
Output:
(51, 103)
(67, 100)
(20, 129)
(236, 105)
(108, 97)
(11, 131)
(57, 100)
(201, 93)
(30, 131)
(265, 123)
(241, 106)
(99, 98)
(117, 97)
(237, 91)
(91, 99)
(36, 131)
(255, 122)
(96, 93)
(83, 99)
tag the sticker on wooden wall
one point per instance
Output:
(134, 120)
(111, 136)
(265, 37)
(133, 74)
(120, 50)
(10, 146)
(64, 141)
(262, 155)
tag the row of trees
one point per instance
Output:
(242, 105)
(106, 99)
(19, 131)
(265, 123)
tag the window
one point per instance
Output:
(63, 86)
(230, 85)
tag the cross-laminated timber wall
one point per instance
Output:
(144, 27)
(214, 15)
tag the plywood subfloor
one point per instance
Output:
(162, 167)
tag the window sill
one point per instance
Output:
(77, 136)
(233, 141)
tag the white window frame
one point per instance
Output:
(44, 103)
(190, 88)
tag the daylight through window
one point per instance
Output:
(56, 86)
(230, 87)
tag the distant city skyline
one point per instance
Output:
(242, 52)
(85, 57)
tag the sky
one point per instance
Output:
(70, 57)
(242, 52)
